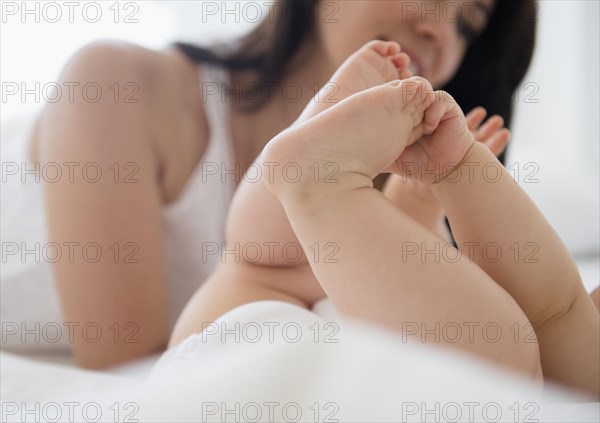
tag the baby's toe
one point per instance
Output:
(417, 95)
(413, 86)
(384, 48)
(400, 60)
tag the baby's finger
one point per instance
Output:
(498, 142)
(489, 128)
(475, 117)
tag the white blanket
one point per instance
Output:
(274, 362)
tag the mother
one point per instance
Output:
(178, 142)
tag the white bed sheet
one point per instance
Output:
(367, 375)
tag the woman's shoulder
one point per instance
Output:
(169, 82)
(155, 71)
(163, 86)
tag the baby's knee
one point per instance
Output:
(521, 357)
(529, 361)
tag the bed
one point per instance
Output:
(362, 374)
(357, 374)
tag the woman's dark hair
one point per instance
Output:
(491, 72)
(497, 60)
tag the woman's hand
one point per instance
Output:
(492, 133)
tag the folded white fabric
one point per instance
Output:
(322, 370)
(275, 362)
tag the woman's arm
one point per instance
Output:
(122, 291)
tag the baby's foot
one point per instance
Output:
(376, 63)
(433, 157)
(346, 146)
(416, 198)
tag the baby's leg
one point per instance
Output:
(500, 228)
(375, 63)
(374, 279)
(513, 243)
(595, 295)
(278, 269)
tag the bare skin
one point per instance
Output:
(165, 134)
(353, 215)
(356, 74)
(376, 63)
(551, 296)
(596, 298)
(416, 199)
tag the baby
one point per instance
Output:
(317, 193)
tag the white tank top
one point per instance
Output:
(194, 224)
(193, 227)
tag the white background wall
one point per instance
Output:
(558, 133)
